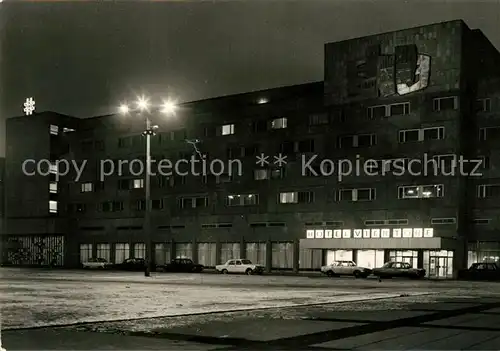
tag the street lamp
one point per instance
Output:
(168, 108)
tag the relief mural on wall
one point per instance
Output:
(35, 251)
(377, 75)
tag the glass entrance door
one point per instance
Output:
(440, 264)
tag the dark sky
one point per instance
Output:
(82, 59)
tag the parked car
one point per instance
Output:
(481, 271)
(179, 265)
(132, 264)
(399, 269)
(240, 266)
(339, 268)
(96, 263)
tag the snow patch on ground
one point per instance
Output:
(49, 303)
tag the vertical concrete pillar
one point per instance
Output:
(296, 255)
(269, 256)
(420, 259)
(112, 252)
(131, 250)
(386, 256)
(195, 251)
(218, 248)
(172, 249)
(243, 248)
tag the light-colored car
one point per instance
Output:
(239, 265)
(96, 263)
(339, 268)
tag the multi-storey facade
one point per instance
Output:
(429, 94)
(2, 196)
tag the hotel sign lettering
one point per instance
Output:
(374, 233)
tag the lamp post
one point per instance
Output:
(144, 109)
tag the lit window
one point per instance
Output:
(288, 198)
(53, 168)
(227, 129)
(420, 191)
(87, 187)
(261, 174)
(53, 187)
(138, 183)
(296, 197)
(53, 206)
(54, 130)
(279, 123)
(242, 200)
(262, 101)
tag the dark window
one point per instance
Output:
(209, 131)
(260, 126)
(366, 140)
(399, 109)
(233, 152)
(124, 184)
(180, 135)
(406, 136)
(117, 206)
(87, 146)
(107, 206)
(140, 205)
(157, 204)
(201, 202)
(346, 195)
(434, 133)
(305, 197)
(123, 142)
(318, 119)
(251, 150)
(306, 145)
(99, 145)
(366, 194)
(287, 147)
(443, 104)
(346, 141)
(377, 111)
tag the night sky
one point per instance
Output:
(82, 59)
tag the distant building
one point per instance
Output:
(428, 93)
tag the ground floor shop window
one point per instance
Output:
(370, 258)
(85, 252)
(103, 251)
(139, 250)
(229, 251)
(184, 250)
(338, 255)
(207, 253)
(162, 253)
(483, 252)
(122, 252)
(256, 252)
(310, 258)
(410, 257)
(282, 255)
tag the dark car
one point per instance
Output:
(400, 270)
(181, 265)
(481, 271)
(132, 264)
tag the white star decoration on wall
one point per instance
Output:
(29, 106)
